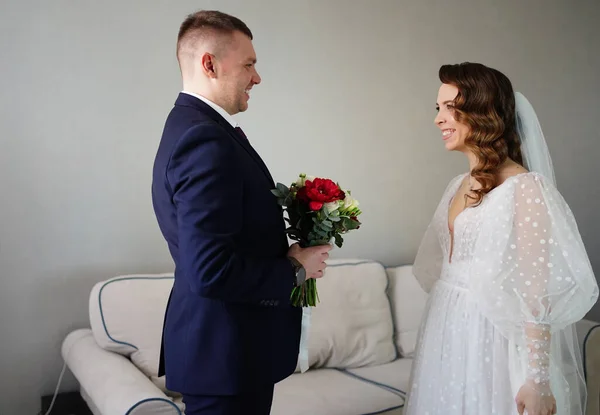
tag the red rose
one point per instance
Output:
(321, 191)
(315, 205)
(302, 196)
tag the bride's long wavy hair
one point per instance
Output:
(486, 103)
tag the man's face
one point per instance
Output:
(236, 73)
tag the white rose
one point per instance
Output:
(350, 202)
(302, 179)
(332, 206)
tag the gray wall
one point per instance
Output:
(86, 87)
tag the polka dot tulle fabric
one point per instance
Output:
(505, 288)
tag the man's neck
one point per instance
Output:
(203, 93)
(219, 109)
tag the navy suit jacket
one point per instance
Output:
(229, 320)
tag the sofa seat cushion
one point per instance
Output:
(352, 324)
(331, 392)
(394, 376)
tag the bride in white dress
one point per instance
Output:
(504, 264)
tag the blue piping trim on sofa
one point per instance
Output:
(385, 410)
(380, 385)
(397, 266)
(585, 351)
(100, 303)
(389, 388)
(151, 400)
(360, 262)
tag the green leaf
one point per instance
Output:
(283, 188)
(325, 228)
(339, 240)
(354, 224)
(288, 200)
(276, 192)
(321, 233)
(350, 224)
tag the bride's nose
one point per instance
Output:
(439, 119)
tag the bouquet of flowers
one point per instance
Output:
(319, 212)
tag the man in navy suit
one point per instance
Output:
(230, 332)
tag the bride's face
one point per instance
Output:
(453, 132)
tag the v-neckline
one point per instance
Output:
(450, 232)
(449, 206)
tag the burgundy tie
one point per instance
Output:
(240, 132)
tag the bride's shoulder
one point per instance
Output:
(526, 187)
(529, 181)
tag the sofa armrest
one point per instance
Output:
(588, 334)
(111, 381)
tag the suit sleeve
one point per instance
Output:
(208, 196)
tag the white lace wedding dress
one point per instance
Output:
(501, 309)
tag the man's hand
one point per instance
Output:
(312, 258)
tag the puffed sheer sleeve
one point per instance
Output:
(427, 266)
(532, 276)
(428, 262)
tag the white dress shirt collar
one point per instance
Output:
(216, 107)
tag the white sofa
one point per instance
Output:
(361, 342)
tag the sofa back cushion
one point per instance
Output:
(352, 324)
(127, 314)
(408, 302)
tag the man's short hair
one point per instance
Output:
(206, 23)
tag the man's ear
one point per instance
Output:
(208, 64)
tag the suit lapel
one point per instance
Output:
(248, 147)
(190, 101)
